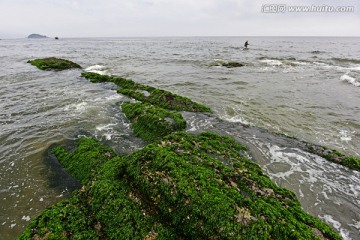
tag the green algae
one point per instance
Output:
(180, 187)
(53, 63)
(335, 156)
(148, 94)
(86, 160)
(66, 220)
(150, 122)
(186, 178)
(105, 207)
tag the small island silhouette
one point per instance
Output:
(35, 35)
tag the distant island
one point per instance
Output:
(34, 35)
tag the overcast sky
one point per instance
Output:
(129, 18)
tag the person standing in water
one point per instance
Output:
(246, 44)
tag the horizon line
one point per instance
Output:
(183, 36)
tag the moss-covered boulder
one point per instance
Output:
(143, 93)
(152, 123)
(180, 187)
(53, 63)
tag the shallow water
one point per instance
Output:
(302, 87)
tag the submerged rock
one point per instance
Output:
(180, 187)
(53, 63)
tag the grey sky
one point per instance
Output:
(128, 18)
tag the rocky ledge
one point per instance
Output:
(180, 187)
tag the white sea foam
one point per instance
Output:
(114, 97)
(79, 107)
(100, 69)
(337, 225)
(320, 63)
(233, 113)
(350, 80)
(299, 63)
(105, 127)
(356, 225)
(357, 68)
(329, 219)
(195, 124)
(26, 218)
(321, 182)
(345, 135)
(238, 119)
(106, 130)
(271, 62)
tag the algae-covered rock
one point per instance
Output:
(104, 208)
(180, 187)
(143, 93)
(152, 123)
(335, 156)
(53, 63)
(232, 64)
(208, 190)
(228, 64)
(85, 162)
(68, 219)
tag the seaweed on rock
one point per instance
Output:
(335, 156)
(143, 93)
(207, 190)
(53, 63)
(152, 123)
(180, 187)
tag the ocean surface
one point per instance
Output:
(303, 87)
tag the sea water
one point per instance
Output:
(304, 87)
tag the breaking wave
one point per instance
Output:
(350, 79)
(98, 69)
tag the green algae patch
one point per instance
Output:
(164, 99)
(52, 63)
(335, 156)
(180, 187)
(86, 160)
(148, 94)
(152, 123)
(66, 220)
(208, 190)
(104, 208)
